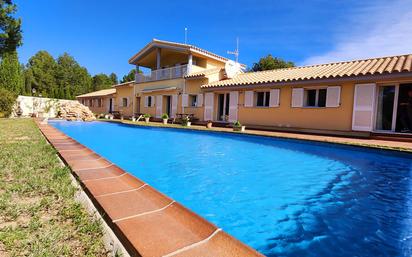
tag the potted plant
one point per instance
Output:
(146, 117)
(165, 117)
(209, 124)
(237, 126)
(186, 121)
(133, 118)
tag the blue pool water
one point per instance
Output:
(282, 197)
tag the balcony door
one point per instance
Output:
(386, 108)
(223, 107)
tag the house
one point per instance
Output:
(101, 101)
(171, 78)
(347, 98)
(363, 95)
(124, 103)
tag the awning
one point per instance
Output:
(161, 88)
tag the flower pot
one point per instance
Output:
(241, 128)
(133, 119)
(165, 121)
(146, 120)
(209, 125)
(189, 123)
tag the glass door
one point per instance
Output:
(385, 115)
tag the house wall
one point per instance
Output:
(94, 107)
(152, 110)
(124, 92)
(326, 118)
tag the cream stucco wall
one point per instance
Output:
(124, 92)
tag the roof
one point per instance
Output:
(124, 84)
(374, 66)
(103, 92)
(203, 73)
(191, 48)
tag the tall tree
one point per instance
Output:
(101, 81)
(129, 77)
(10, 27)
(270, 63)
(71, 78)
(114, 79)
(11, 73)
(41, 74)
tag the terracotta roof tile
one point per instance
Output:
(203, 73)
(103, 92)
(374, 66)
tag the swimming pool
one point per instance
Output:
(282, 197)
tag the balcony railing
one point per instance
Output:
(162, 74)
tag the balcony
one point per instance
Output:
(163, 74)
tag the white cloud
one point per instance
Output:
(375, 31)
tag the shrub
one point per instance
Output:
(165, 116)
(7, 100)
(146, 115)
(237, 124)
(185, 120)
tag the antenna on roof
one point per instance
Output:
(185, 35)
(236, 52)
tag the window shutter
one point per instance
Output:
(274, 98)
(333, 96)
(297, 97)
(185, 100)
(363, 107)
(249, 98)
(208, 115)
(233, 105)
(174, 106)
(159, 106)
(199, 100)
(146, 101)
(128, 102)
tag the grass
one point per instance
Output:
(38, 212)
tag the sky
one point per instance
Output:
(103, 34)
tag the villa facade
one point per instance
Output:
(370, 95)
(102, 101)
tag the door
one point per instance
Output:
(137, 110)
(168, 105)
(208, 112)
(223, 107)
(363, 107)
(110, 105)
(385, 115)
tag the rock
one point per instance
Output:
(75, 111)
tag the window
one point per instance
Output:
(99, 102)
(262, 99)
(124, 102)
(315, 97)
(193, 100)
(149, 101)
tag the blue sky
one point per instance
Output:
(102, 35)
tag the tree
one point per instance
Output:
(10, 28)
(114, 79)
(270, 63)
(101, 81)
(40, 74)
(71, 78)
(11, 73)
(7, 99)
(129, 77)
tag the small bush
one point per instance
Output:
(7, 100)
(165, 116)
(237, 124)
(146, 115)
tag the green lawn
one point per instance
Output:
(38, 212)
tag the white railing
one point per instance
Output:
(162, 74)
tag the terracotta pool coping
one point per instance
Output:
(147, 222)
(343, 140)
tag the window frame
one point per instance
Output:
(193, 103)
(317, 90)
(266, 99)
(123, 101)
